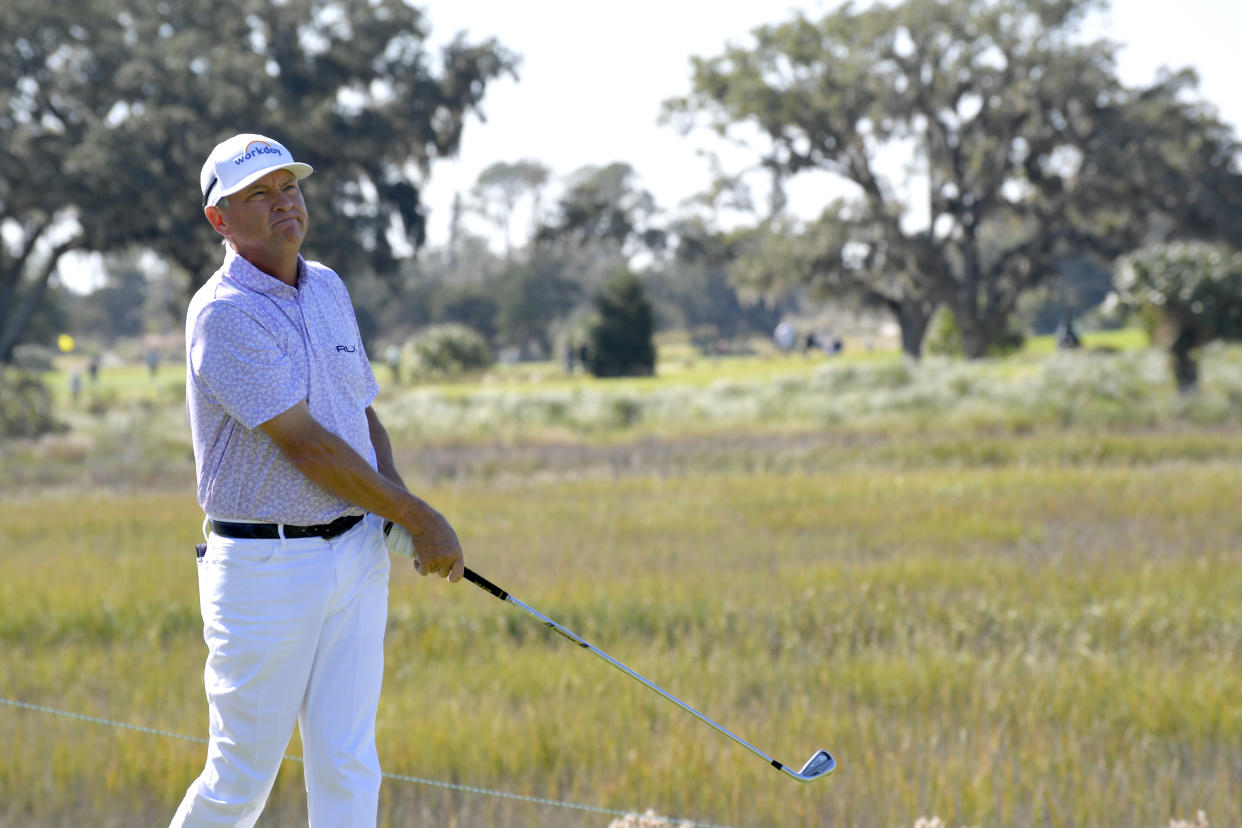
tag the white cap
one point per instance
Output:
(242, 160)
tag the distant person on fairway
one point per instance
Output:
(296, 475)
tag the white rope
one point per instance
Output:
(536, 800)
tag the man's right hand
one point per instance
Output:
(437, 550)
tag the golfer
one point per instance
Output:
(296, 476)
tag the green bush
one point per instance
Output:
(622, 341)
(1186, 294)
(446, 350)
(944, 338)
(25, 406)
(34, 358)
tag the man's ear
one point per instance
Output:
(213, 214)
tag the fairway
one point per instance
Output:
(1047, 642)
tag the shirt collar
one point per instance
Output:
(239, 269)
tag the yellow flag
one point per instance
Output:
(65, 342)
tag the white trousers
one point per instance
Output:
(295, 633)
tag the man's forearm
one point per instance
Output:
(335, 466)
(332, 463)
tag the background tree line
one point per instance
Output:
(1030, 169)
(1028, 156)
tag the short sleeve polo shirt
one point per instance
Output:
(255, 347)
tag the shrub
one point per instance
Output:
(622, 341)
(25, 406)
(34, 358)
(1188, 294)
(944, 338)
(446, 350)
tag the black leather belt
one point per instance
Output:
(271, 531)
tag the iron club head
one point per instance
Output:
(818, 765)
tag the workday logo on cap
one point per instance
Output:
(242, 160)
(257, 148)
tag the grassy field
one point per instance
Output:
(999, 621)
(679, 363)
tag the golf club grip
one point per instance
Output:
(481, 582)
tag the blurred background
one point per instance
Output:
(845, 170)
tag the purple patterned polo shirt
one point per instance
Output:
(255, 347)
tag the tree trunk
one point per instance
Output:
(913, 317)
(15, 269)
(976, 336)
(15, 326)
(1185, 367)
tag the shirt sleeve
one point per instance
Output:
(242, 366)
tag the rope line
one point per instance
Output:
(400, 777)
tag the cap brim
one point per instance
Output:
(298, 169)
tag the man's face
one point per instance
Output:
(266, 219)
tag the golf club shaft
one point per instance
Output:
(483, 583)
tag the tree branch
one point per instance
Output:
(12, 275)
(13, 330)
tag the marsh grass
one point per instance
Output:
(998, 644)
(1126, 389)
(1003, 592)
(862, 410)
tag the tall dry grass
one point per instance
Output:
(1000, 645)
(1004, 593)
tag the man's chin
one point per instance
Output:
(291, 231)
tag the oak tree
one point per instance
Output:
(108, 108)
(1013, 126)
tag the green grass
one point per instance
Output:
(998, 644)
(1129, 389)
(1004, 593)
(679, 363)
(117, 384)
(1123, 339)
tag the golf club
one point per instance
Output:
(820, 764)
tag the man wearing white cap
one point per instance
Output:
(296, 476)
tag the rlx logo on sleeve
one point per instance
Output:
(349, 349)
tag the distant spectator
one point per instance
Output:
(1066, 337)
(92, 368)
(75, 384)
(153, 362)
(785, 336)
(392, 355)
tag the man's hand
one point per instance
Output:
(437, 550)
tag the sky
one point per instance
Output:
(593, 77)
